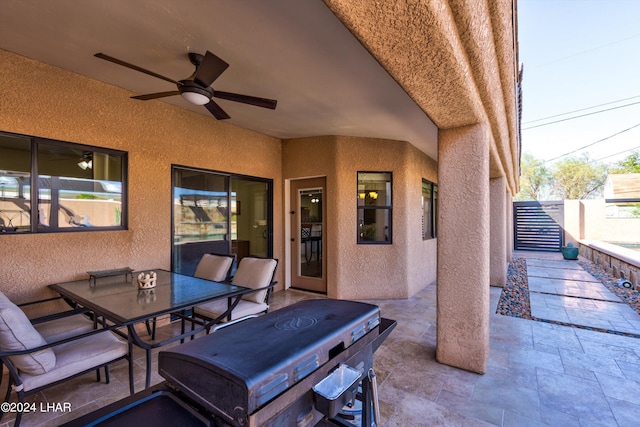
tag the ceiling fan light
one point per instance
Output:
(84, 164)
(195, 98)
(194, 93)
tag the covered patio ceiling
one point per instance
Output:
(294, 51)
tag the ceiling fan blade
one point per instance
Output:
(133, 67)
(156, 95)
(209, 70)
(246, 99)
(217, 112)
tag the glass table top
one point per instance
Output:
(119, 298)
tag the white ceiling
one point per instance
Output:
(294, 51)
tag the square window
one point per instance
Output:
(374, 202)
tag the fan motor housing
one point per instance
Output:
(195, 58)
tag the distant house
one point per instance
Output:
(622, 186)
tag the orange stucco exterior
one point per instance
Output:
(151, 136)
(456, 59)
(45, 101)
(369, 271)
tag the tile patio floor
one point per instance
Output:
(539, 374)
(562, 291)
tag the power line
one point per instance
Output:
(593, 143)
(584, 51)
(581, 109)
(611, 155)
(582, 115)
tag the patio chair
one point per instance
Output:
(69, 347)
(212, 266)
(54, 328)
(61, 325)
(305, 237)
(255, 273)
(215, 267)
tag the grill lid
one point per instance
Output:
(237, 369)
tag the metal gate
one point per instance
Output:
(538, 226)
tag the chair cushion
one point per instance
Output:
(78, 356)
(65, 327)
(17, 333)
(255, 273)
(213, 267)
(244, 308)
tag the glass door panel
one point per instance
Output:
(249, 220)
(200, 217)
(308, 250)
(222, 213)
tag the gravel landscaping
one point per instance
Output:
(630, 296)
(514, 300)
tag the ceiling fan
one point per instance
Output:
(196, 88)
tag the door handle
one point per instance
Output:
(293, 240)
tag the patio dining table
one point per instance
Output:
(119, 300)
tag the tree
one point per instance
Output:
(534, 179)
(631, 164)
(576, 178)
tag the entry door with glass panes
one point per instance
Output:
(308, 232)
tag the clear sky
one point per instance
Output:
(579, 54)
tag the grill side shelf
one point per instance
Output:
(386, 326)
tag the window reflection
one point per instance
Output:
(429, 209)
(374, 207)
(76, 186)
(15, 186)
(214, 212)
(311, 232)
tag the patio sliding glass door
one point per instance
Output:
(218, 212)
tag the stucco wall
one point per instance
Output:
(586, 219)
(45, 101)
(422, 255)
(457, 60)
(357, 271)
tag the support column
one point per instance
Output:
(463, 248)
(498, 249)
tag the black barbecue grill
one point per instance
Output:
(296, 366)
